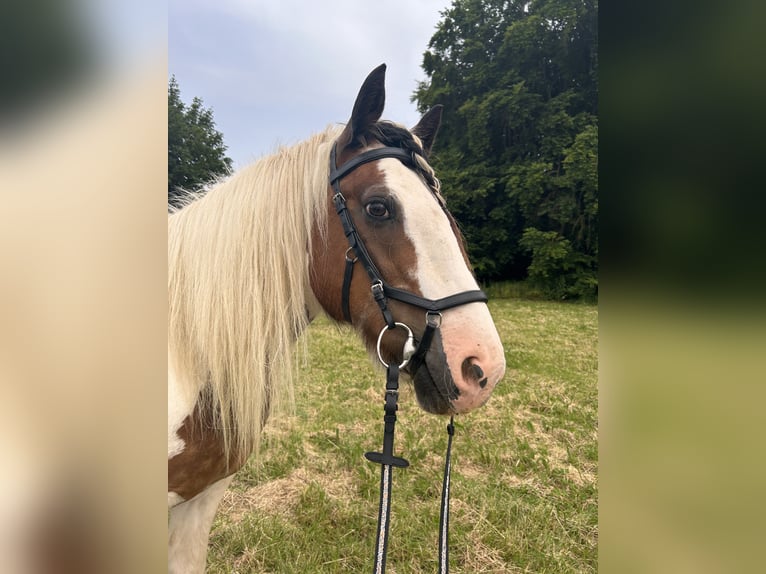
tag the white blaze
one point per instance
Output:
(468, 331)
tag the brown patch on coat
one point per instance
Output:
(202, 462)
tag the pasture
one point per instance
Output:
(524, 478)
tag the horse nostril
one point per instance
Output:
(473, 371)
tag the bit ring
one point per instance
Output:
(410, 341)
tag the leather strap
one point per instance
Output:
(435, 306)
(387, 460)
(348, 275)
(419, 356)
(444, 514)
(371, 155)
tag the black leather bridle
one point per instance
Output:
(380, 289)
(381, 292)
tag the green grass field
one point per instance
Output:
(524, 482)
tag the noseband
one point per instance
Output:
(381, 292)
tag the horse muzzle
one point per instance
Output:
(459, 378)
(442, 388)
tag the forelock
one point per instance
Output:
(396, 135)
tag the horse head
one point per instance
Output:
(403, 238)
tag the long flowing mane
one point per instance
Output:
(238, 260)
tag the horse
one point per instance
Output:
(259, 255)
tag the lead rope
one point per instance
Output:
(444, 515)
(388, 461)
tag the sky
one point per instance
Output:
(277, 71)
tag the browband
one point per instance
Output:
(366, 157)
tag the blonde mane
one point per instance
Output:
(238, 260)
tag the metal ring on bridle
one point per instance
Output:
(410, 337)
(355, 259)
(437, 318)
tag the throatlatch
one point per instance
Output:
(381, 292)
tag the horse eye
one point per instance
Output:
(377, 209)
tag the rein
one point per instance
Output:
(381, 292)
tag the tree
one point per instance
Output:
(517, 152)
(196, 152)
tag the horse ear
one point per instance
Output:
(428, 126)
(369, 103)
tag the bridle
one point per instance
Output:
(381, 292)
(380, 289)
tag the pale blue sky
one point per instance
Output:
(277, 71)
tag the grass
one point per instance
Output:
(512, 290)
(524, 489)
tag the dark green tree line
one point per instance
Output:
(196, 152)
(518, 149)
